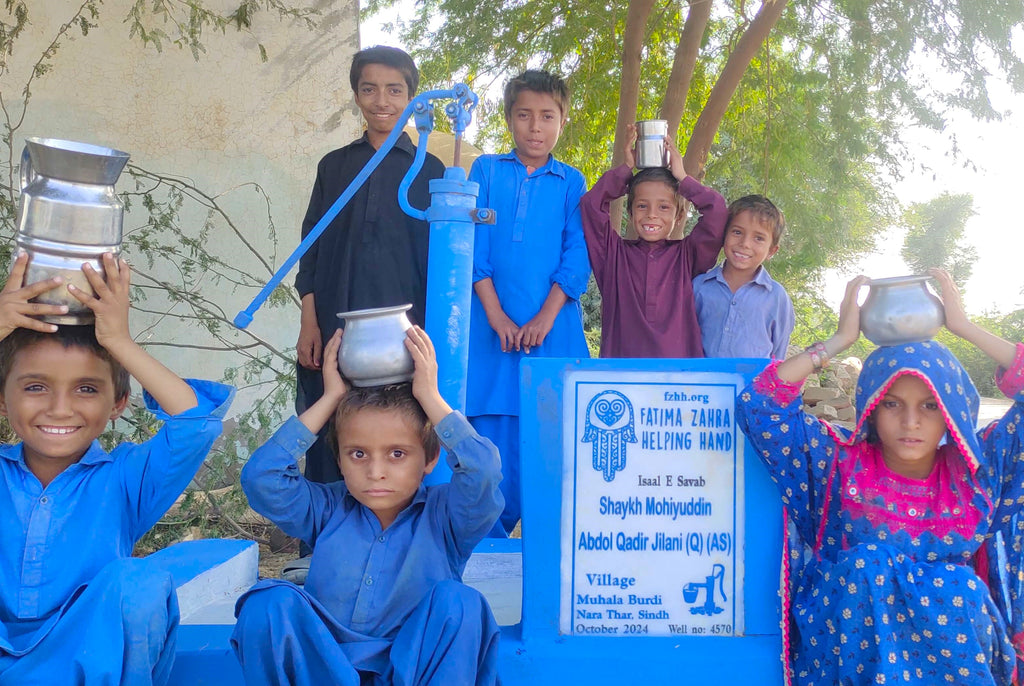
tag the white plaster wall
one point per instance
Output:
(225, 120)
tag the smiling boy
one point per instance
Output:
(646, 283)
(742, 310)
(75, 607)
(529, 269)
(372, 254)
(383, 602)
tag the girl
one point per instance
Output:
(904, 561)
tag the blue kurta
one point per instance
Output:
(894, 579)
(536, 242)
(58, 539)
(365, 583)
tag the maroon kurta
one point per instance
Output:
(647, 306)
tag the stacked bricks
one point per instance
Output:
(829, 394)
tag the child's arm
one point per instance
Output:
(595, 209)
(570, 279)
(110, 306)
(799, 367)
(783, 326)
(271, 478)
(15, 309)
(319, 413)
(705, 241)
(999, 349)
(308, 347)
(474, 500)
(424, 379)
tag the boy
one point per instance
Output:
(383, 603)
(646, 283)
(529, 269)
(373, 254)
(75, 607)
(742, 311)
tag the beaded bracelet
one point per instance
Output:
(819, 355)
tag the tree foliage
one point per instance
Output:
(805, 101)
(935, 236)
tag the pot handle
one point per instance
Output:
(28, 174)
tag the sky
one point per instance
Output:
(989, 168)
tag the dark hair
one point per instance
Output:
(762, 208)
(389, 57)
(392, 398)
(83, 337)
(653, 175)
(539, 82)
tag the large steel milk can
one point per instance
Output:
(68, 215)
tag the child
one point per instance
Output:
(529, 269)
(905, 561)
(646, 283)
(73, 601)
(383, 603)
(742, 311)
(373, 254)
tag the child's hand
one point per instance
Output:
(675, 159)
(533, 332)
(15, 309)
(629, 146)
(506, 330)
(334, 385)
(956, 317)
(849, 316)
(110, 303)
(424, 379)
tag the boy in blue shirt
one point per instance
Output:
(75, 607)
(742, 311)
(383, 602)
(529, 269)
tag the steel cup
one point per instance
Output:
(650, 143)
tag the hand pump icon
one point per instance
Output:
(693, 589)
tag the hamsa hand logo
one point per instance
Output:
(609, 427)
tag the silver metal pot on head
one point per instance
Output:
(68, 214)
(373, 351)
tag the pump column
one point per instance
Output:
(452, 215)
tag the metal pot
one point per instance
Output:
(901, 309)
(373, 351)
(650, 143)
(68, 214)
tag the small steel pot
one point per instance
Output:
(901, 309)
(373, 351)
(650, 143)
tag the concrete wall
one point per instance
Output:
(225, 120)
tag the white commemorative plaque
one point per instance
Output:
(652, 514)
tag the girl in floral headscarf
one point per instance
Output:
(904, 560)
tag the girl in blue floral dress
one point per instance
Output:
(904, 561)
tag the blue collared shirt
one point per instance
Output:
(370, 579)
(57, 538)
(755, 321)
(537, 242)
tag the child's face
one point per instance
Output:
(381, 95)
(655, 210)
(58, 400)
(536, 123)
(909, 424)
(381, 457)
(748, 243)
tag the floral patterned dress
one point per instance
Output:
(889, 579)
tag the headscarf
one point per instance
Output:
(933, 363)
